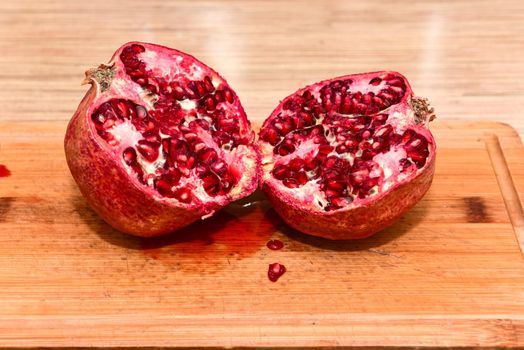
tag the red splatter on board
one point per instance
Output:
(4, 172)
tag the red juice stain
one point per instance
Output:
(275, 271)
(275, 244)
(235, 232)
(4, 172)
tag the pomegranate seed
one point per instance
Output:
(199, 146)
(271, 135)
(275, 244)
(191, 161)
(275, 271)
(279, 171)
(172, 176)
(396, 82)
(341, 149)
(359, 176)
(368, 154)
(383, 132)
(123, 109)
(345, 106)
(108, 124)
(367, 98)
(405, 163)
(152, 88)
(334, 184)
(183, 195)
(201, 88)
(228, 94)
(141, 81)
(210, 103)
(139, 172)
(152, 136)
(418, 158)
(302, 178)
(307, 95)
(311, 164)
(284, 149)
(208, 84)
(219, 96)
(164, 188)
(296, 164)
(219, 167)
(325, 149)
(211, 184)
(178, 92)
(386, 97)
(208, 156)
(149, 150)
(129, 155)
(141, 112)
(375, 81)
(290, 182)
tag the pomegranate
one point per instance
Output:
(159, 141)
(346, 157)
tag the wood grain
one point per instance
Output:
(448, 274)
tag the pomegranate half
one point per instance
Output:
(159, 141)
(346, 157)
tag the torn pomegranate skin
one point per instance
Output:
(159, 141)
(346, 157)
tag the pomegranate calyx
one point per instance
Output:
(424, 113)
(101, 76)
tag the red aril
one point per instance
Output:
(346, 157)
(159, 141)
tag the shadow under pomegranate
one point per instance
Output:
(237, 231)
(300, 241)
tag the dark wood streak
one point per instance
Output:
(5, 205)
(476, 209)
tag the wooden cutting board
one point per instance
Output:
(450, 273)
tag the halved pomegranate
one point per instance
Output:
(159, 141)
(346, 157)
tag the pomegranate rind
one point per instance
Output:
(369, 215)
(118, 197)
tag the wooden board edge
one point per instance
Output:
(507, 187)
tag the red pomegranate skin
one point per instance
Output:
(107, 188)
(371, 215)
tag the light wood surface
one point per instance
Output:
(449, 273)
(466, 56)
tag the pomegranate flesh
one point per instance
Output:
(159, 141)
(346, 157)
